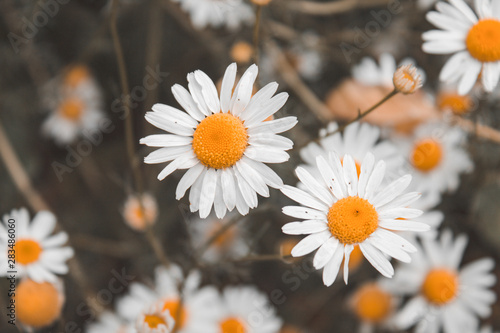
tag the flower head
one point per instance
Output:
(224, 142)
(406, 79)
(343, 210)
(156, 319)
(140, 214)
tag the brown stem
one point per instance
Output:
(256, 34)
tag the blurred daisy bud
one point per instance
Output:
(406, 79)
(139, 217)
(452, 101)
(285, 247)
(75, 75)
(38, 304)
(373, 304)
(241, 52)
(261, 2)
(155, 320)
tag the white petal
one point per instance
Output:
(270, 177)
(266, 154)
(404, 225)
(332, 180)
(42, 225)
(227, 87)
(187, 102)
(350, 175)
(246, 191)
(195, 90)
(391, 191)
(331, 269)
(325, 253)
(208, 191)
(174, 115)
(375, 180)
(188, 179)
(303, 213)
(252, 177)
(347, 253)
(166, 140)
(317, 189)
(268, 109)
(377, 259)
(156, 119)
(303, 198)
(258, 100)
(366, 171)
(208, 90)
(166, 154)
(244, 90)
(470, 77)
(275, 126)
(303, 228)
(310, 243)
(182, 162)
(228, 188)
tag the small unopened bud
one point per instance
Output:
(407, 80)
(242, 52)
(139, 215)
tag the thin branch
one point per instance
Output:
(333, 7)
(480, 130)
(264, 257)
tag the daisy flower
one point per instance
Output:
(446, 296)
(75, 103)
(137, 217)
(218, 13)
(224, 142)
(111, 323)
(195, 311)
(472, 37)
(37, 254)
(356, 140)
(342, 211)
(374, 305)
(229, 245)
(449, 100)
(156, 319)
(435, 157)
(38, 304)
(245, 309)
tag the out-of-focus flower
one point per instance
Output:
(246, 309)
(38, 304)
(223, 142)
(261, 2)
(444, 295)
(111, 323)
(37, 254)
(228, 245)
(473, 42)
(342, 211)
(436, 157)
(218, 13)
(156, 319)
(356, 140)
(75, 103)
(140, 215)
(374, 305)
(195, 310)
(242, 52)
(487, 329)
(406, 79)
(370, 83)
(449, 100)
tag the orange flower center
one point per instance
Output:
(37, 304)
(456, 103)
(426, 155)
(154, 320)
(220, 140)
(232, 325)
(440, 286)
(179, 315)
(71, 109)
(27, 251)
(483, 40)
(372, 303)
(76, 75)
(352, 220)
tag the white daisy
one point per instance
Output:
(111, 323)
(445, 296)
(474, 42)
(218, 13)
(75, 103)
(195, 310)
(245, 309)
(356, 140)
(230, 244)
(223, 142)
(37, 254)
(435, 157)
(156, 319)
(342, 210)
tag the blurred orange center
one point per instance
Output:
(426, 155)
(220, 140)
(76, 75)
(37, 304)
(179, 315)
(483, 40)
(351, 220)
(372, 303)
(232, 325)
(456, 103)
(71, 109)
(27, 251)
(153, 321)
(440, 286)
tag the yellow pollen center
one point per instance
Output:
(27, 251)
(372, 303)
(456, 103)
(153, 321)
(426, 155)
(440, 286)
(37, 304)
(71, 109)
(179, 316)
(220, 140)
(483, 40)
(351, 220)
(232, 325)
